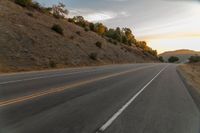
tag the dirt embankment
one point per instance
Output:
(27, 42)
(191, 76)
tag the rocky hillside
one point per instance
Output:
(183, 54)
(27, 42)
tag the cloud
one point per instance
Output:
(101, 16)
(117, 0)
(94, 16)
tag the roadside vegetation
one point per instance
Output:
(173, 59)
(161, 59)
(194, 59)
(191, 73)
(57, 28)
(117, 35)
(50, 39)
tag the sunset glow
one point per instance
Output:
(164, 24)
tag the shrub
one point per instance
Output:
(115, 42)
(52, 64)
(98, 44)
(30, 14)
(161, 59)
(91, 25)
(36, 6)
(24, 3)
(173, 59)
(78, 32)
(57, 28)
(110, 40)
(194, 59)
(86, 29)
(93, 56)
(71, 20)
(59, 11)
(72, 37)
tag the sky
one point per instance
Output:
(164, 24)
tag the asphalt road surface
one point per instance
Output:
(130, 98)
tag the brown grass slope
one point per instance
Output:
(183, 54)
(28, 43)
(191, 74)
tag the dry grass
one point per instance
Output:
(192, 74)
(28, 43)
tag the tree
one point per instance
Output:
(91, 25)
(161, 58)
(194, 59)
(173, 59)
(79, 20)
(24, 3)
(100, 28)
(59, 11)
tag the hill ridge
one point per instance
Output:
(27, 42)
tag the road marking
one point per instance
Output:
(116, 115)
(56, 90)
(42, 77)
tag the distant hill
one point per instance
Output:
(27, 42)
(182, 54)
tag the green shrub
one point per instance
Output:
(57, 16)
(24, 3)
(173, 59)
(161, 59)
(86, 29)
(36, 5)
(110, 40)
(194, 59)
(57, 28)
(115, 42)
(98, 44)
(71, 20)
(52, 64)
(93, 56)
(91, 25)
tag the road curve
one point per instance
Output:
(130, 98)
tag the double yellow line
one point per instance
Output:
(60, 89)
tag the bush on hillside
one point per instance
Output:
(161, 59)
(115, 42)
(57, 28)
(78, 32)
(86, 29)
(59, 11)
(52, 64)
(173, 59)
(98, 44)
(93, 56)
(24, 3)
(194, 59)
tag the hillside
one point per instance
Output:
(27, 42)
(182, 54)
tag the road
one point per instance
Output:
(129, 98)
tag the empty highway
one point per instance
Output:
(129, 98)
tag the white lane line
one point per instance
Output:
(42, 77)
(114, 117)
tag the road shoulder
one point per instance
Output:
(189, 81)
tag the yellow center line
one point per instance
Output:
(56, 90)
